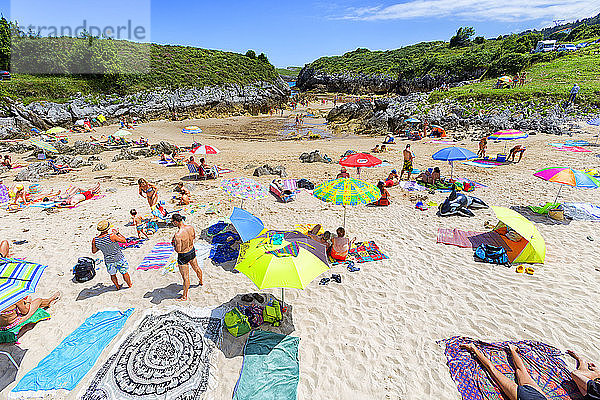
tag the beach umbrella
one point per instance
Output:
(347, 192)
(55, 130)
(18, 279)
(568, 176)
(508, 134)
(452, 154)
(285, 265)
(205, 149)
(505, 79)
(595, 122)
(244, 189)
(191, 130)
(122, 133)
(43, 145)
(360, 160)
(412, 120)
(316, 248)
(535, 249)
(246, 224)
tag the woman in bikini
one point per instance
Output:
(22, 310)
(148, 191)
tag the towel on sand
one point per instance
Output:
(411, 186)
(202, 253)
(362, 252)
(456, 237)
(270, 370)
(582, 211)
(158, 257)
(479, 164)
(542, 361)
(68, 363)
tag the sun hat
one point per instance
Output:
(103, 226)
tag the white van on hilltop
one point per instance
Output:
(544, 46)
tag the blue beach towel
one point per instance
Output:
(270, 370)
(72, 359)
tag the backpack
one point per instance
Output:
(84, 270)
(305, 184)
(236, 322)
(254, 312)
(492, 254)
(272, 313)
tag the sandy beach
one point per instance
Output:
(374, 335)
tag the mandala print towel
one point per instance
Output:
(168, 356)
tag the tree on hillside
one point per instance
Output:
(5, 32)
(462, 37)
(262, 57)
(251, 54)
(479, 40)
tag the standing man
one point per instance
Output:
(408, 162)
(573, 94)
(183, 242)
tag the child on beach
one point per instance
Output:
(139, 225)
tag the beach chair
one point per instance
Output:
(543, 210)
(197, 172)
(284, 190)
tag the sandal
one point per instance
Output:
(258, 297)
(520, 269)
(247, 298)
(324, 281)
(351, 267)
(336, 278)
(529, 270)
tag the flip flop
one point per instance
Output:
(520, 269)
(351, 267)
(324, 281)
(247, 298)
(258, 297)
(529, 270)
(336, 278)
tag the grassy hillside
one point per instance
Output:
(168, 67)
(552, 80)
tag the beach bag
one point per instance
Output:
(254, 312)
(492, 254)
(272, 313)
(84, 270)
(237, 322)
(557, 214)
(305, 184)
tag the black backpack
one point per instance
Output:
(85, 270)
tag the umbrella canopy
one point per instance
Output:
(246, 224)
(594, 122)
(316, 248)
(347, 191)
(568, 176)
(437, 128)
(192, 130)
(454, 154)
(412, 120)
(505, 78)
(360, 160)
(122, 133)
(55, 130)
(271, 266)
(244, 188)
(508, 134)
(205, 149)
(18, 279)
(535, 250)
(43, 145)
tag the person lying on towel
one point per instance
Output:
(340, 245)
(524, 389)
(24, 312)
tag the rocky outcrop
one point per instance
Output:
(267, 170)
(149, 105)
(315, 156)
(358, 83)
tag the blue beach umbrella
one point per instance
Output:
(246, 224)
(452, 154)
(412, 120)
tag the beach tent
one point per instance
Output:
(532, 247)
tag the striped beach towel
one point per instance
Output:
(158, 257)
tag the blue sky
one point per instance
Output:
(295, 33)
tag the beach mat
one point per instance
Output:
(158, 256)
(166, 356)
(270, 370)
(466, 239)
(582, 211)
(72, 359)
(543, 362)
(574, 149)
(411, 186)
(362, 252)
(479, 164)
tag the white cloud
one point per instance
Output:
(498, 10)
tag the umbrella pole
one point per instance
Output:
(344, 225)
(242, 205)
(451, 169)
(283, 307)
(559, 189)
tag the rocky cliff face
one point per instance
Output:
(149, 105)
(309, 79)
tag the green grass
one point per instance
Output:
(548, 80)
(289, 72)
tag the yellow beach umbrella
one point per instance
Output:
(55, 130)
(535, 250)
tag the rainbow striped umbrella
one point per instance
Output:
(568, 176)
(191, 130)
(508, 134)
(43, 145)
(18, 279)
(347, 192)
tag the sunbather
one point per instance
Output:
(4, 248)
(78, 195)
(392, 179)
(184, 194)
(15, 317)
(586, 376)
(340, 245)
(513, 152)
(524, 389)
(343, 173)
(375, 149)
(19, 193)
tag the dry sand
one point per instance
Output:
(374, 335)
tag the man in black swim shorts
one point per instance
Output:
(183, 242)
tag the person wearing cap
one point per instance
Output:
(392, 179)
(108, 243)
(343, 173)
(183, 242)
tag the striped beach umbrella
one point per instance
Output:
(191, 130)
(508, 134)
(18, 279)
(122, 133)
(43, 145)
(205, 149)
(568, 176)
(347, 192)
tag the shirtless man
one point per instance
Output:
(183, 242)
(408, 162)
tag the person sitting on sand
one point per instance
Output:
(408, 162)
(586, 376)
(513, 152)
(108, 244)
(384, 200)
(184, 194)
(392, 179)
(163, 157)
(482, 147)
(314, 233)
(4, 248)
(19, 193)
(375, 149)
(138, 223)
(7, 161)
(524, 389)
(208, 172)
(143, 141)
(383, 148)
(436, 175)
(343, 173)
(389, 139)
(25, 312)
(340, 245)
(79, 195)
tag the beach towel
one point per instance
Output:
(411, 186)
(95, 197)
(167, 356)
(8, 370)
(270, 370)
(4, 197)
(72, 359)
(574, 149)
(479, 164)
(582, 211)
(466, 239)
(542, 361)
(223, 170)
(158, 256)
(132, 242)
(362, 252)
